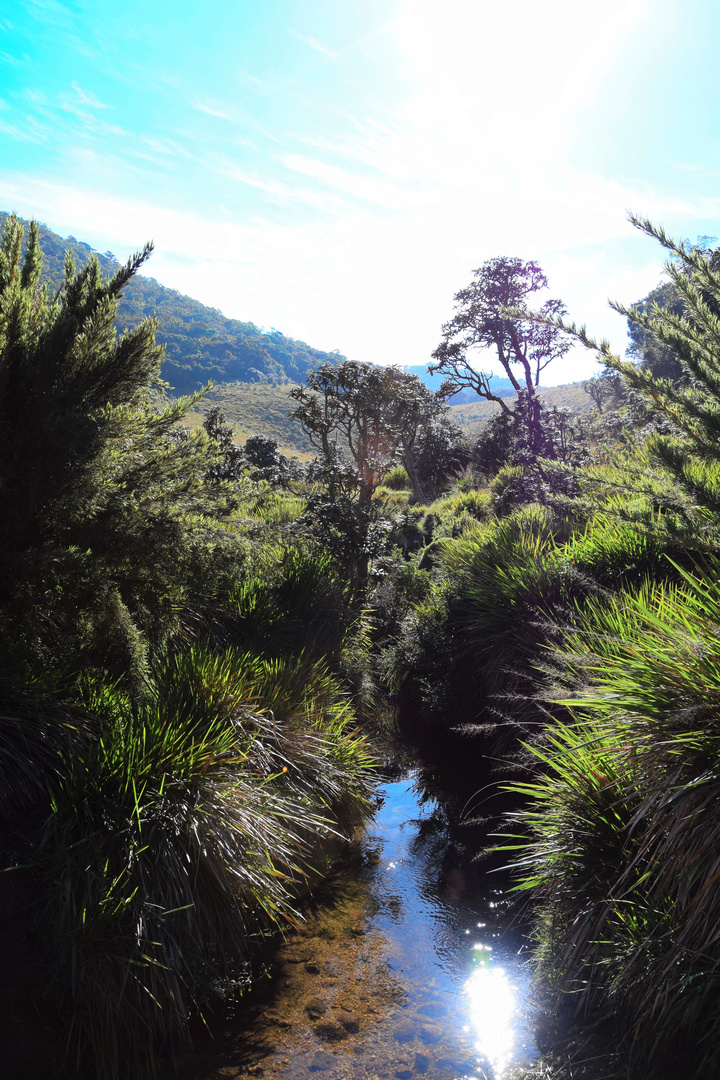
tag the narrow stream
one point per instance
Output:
(415, 969)
(452, 945)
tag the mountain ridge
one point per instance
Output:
(201, 344)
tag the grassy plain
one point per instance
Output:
(260, 409)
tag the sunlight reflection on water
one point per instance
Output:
(492, 1007)
(472, 998)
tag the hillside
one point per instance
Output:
(201, 344)
(256, 409)
(570, 396)
(252, 371)
(262, 409)
(500, 385)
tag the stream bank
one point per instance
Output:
(408, 965)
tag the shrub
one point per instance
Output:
(293, 603)
(509, 590)
(623, 824)
(178, 836)
(104, 513)
(397, 479)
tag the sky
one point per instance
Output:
(337, 169)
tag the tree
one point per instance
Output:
(645, 349)
(344, 406)
(232, 461)
(413, 410)
(103, 512)
(361, 418)
(677, 469)
(265, 462)
(605, 388)
(441, 452)
(490, 316)
(369, 413)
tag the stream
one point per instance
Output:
(410, 965)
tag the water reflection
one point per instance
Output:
(452, 941)
(492, 1007)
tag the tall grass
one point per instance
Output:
(292, 602)
(397, 479)
(36, 735)
(179, 836)
(622, 830)
(508, 589)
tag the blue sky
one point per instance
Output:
(337, 169)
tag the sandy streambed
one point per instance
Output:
(405, 967)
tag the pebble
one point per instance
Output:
(296, 954)
(452, 1065)
(315, 1008)
(430, 1034)
(277, 1020)
(422, 1062)
(405, 1031)
(330, 1031)
(433, 1009)
(350, 1023)
(321, 1061)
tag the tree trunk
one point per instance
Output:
(407, 460)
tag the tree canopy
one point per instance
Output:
(370, 414)
(100, 505)
(489, 316)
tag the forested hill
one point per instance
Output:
(201, 343)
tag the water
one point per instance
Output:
(415, 969)
(452, 943)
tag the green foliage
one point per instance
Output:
(472, 419)
(491, 313)
(494, 446)
(397, 479)
(37, 733)
(622, 822)
(294, 602)
(200, 343)
(104, 512)
(175, 839)
(450, 516)
(255, 409)
(658, 359)
(369, 415)
(684, 444)
(508, 588)
(166, 800)
(441, 454)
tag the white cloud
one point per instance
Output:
(318, 46)
(474, 159)
(84, 97)
(211, 108)
(367, 188)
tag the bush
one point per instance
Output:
(176, 840)
(397, 479)
(623, 825)
(104, 512)
(293, 603)
(509, 590)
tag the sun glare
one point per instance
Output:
(492, 1008)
